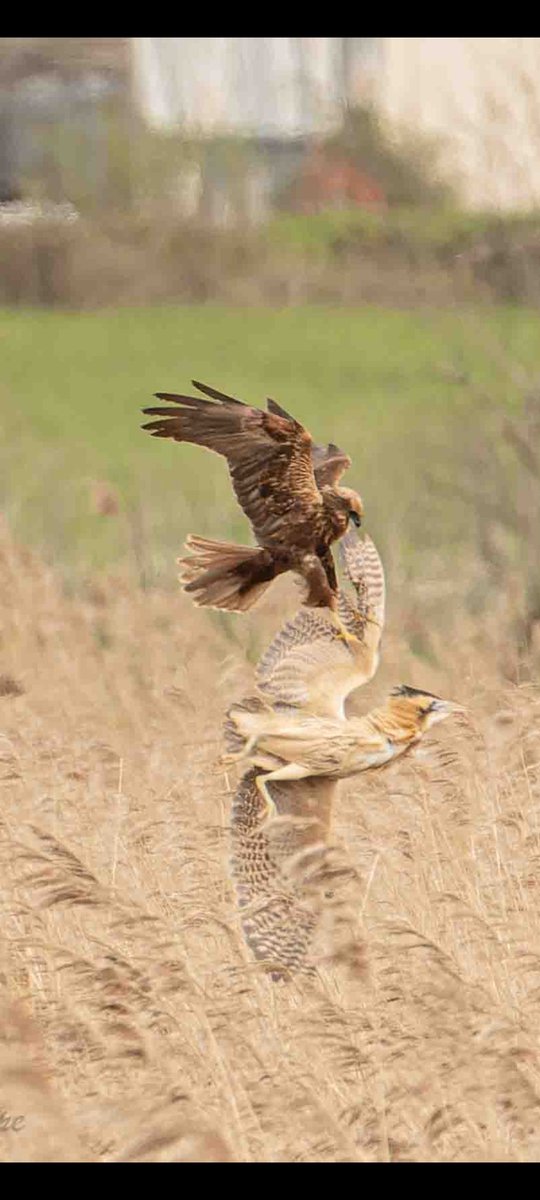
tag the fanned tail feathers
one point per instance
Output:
(223, 575)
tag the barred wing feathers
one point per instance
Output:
(362, 564)
(308, 664)
(290, 881)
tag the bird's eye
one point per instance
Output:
(356, 519)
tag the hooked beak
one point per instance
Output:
(356, 519)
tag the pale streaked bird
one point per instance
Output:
(308, 665)
(278, 919)
(288, 745)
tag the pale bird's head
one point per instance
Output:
(352, 503)
(422, 708)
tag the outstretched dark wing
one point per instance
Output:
(329, 462)
(269, 456)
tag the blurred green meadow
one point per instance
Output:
(401, 391)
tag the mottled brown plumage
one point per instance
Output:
(285, 485)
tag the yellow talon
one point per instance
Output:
(343, 632)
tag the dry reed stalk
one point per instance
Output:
(152, 1035)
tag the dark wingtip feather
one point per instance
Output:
(189, 401)
(278, 411)
(274, 407)
(158, 428)
(214, 394)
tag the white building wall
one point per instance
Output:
(263, 87)
(481, 98)
(478, 97)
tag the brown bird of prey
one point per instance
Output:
(288, 745)
(287, 486)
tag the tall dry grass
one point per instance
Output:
(133, 1023)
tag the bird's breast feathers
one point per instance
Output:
(336, 524)
(362, 756)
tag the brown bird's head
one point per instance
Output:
(351, 503)
(421, 709)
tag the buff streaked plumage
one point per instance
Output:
(290, 745)
(283, 868)
(296, 891)
(290, 927)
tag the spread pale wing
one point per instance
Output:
(308, 664)
(362, 565)
(282, 879)
(269, 456)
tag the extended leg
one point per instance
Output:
(287, 772)
(343, 632)
(320, 575)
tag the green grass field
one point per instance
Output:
(386, 385)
